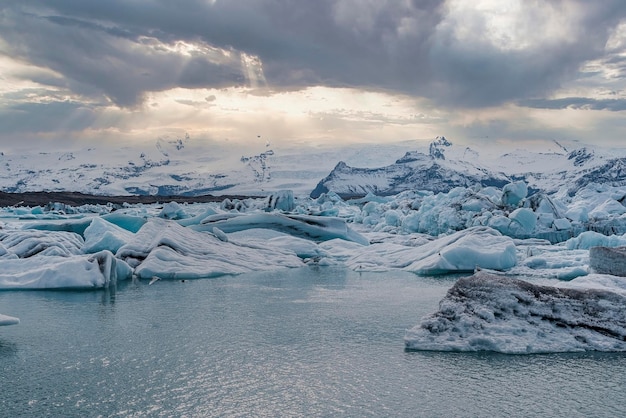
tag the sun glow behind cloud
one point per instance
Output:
(359, 71)
(511, 24)
(313, 115)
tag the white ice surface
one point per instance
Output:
(168, 250)
(459, 252)
(417, 231)
(103, 235)
(27, 243)
(63, 272)
(8, 320)
(316, 228)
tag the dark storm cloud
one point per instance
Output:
(401, 45)
(475, 73)
(103, 58)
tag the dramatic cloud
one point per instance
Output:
(577, 103)
(450, 52)
(450, 55)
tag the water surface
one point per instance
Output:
(305, 342)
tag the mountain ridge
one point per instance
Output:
(184, 166)
(434, 171)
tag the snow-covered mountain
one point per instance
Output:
(181, 166)
(443, 166)
(415, 171)
(178, 166)
(191, 167)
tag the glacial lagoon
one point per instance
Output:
(314, 341)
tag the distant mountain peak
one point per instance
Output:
(436, 148)
(580, 156)
(558, 144)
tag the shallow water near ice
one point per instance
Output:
(301, 342)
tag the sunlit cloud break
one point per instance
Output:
(320, 71)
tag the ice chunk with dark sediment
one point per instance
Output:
(487, 312)
(607, 260)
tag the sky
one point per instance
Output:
(79, 72)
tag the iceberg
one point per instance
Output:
(28, 243)
(486, 312)
(608, 260)
(103, 235)
(172, 210)
(514, 193)
(8, 320)
(97, 270)
(301, 247)
(125, 221)
(315, 228)
(167, 250)
(589, 239)
(76, 226)
(462, 251)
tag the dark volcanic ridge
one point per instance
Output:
(79, 199)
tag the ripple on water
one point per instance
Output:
(309, 342)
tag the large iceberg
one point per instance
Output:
(316, 228)
(494, 313)
(462, 251)
(29, 243)
(167, 250)
(104, 235)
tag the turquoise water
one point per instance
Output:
(307, 342)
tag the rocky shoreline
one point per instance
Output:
(78, 199)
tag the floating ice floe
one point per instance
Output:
(554, 262)
(104, 235)
(8, 320)
(491, 313)
(168, 250)
(28, 243)
(316, 228)
(462, 251)
(63, 272)
(503, 229)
